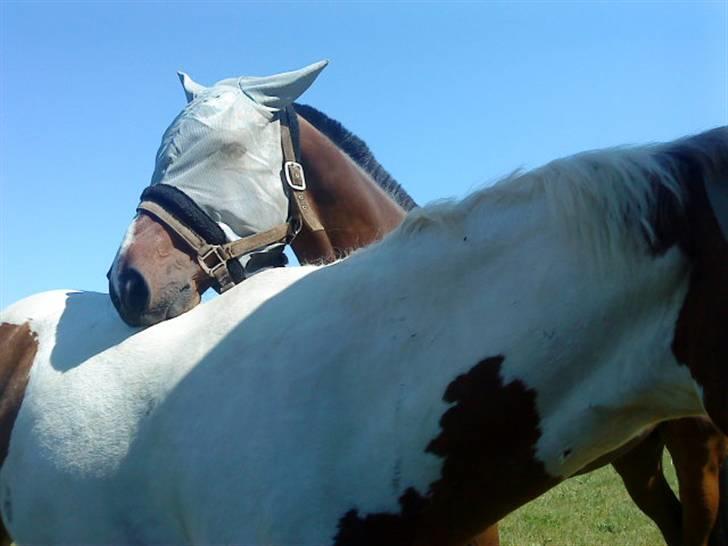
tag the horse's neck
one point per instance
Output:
(353, 209)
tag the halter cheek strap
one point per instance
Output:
(214, 258)
(295, 178)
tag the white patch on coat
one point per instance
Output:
(129, 236)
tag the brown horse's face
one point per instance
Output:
(154, 277)
(223, 152)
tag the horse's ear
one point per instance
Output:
(191, 87)
(280, 90)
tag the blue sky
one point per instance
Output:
(448, 95)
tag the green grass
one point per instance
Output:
(589, 510)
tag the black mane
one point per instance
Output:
(357, 150)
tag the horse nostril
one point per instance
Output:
(133, 291)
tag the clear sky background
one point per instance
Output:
(449, 96)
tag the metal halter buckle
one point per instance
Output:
(212, 260)
(294, 175)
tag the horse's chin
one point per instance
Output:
(166, 309)
(184, 302)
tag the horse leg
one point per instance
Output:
(489, 537)
(641, 471)
(698, 450)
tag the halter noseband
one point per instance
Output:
(213, 257)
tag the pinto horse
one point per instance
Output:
(156, 274)
(446, 385)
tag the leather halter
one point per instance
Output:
(213, 258)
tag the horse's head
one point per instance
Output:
(217, 180)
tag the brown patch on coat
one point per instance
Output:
(701, 333)
(487, 443)
(18, 346)
(700, 342)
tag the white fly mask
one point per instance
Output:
(223, 151)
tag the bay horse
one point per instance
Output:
(218, 171)
(156, 275)
(447, 383)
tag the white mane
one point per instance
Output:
(604, 199)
